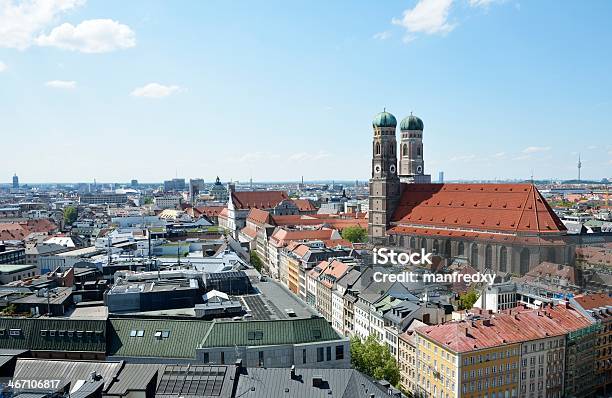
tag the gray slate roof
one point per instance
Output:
(338, 383)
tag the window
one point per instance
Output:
(339, 352)
(222, 358)
(304, 355)
(132, 333)
(158, 334)
(320, 354)
(328, 353)
(165, 334)
(260, 359)
(14, 332)
(206, 358)
(140, 333)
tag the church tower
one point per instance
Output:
(412, 166)
(384, 184)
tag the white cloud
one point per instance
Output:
(428, 17)
(155, 90)
(307, 156)
(482, 3)
(91, 36)
(21, 21)
(382, 35)
(499, 155)
(3, 67)
(63, 84)
(536, 149)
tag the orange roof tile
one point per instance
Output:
(258, 216)
(507, 328)
(486, 207)
(258, 199)
(590, 301)
(304, 205)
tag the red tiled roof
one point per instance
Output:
(249, 231)
(548, 270)
(300, 250)
(20, 230)
(487, 207)
(223, 213)
(304, 205)
(258, 199)
(282, 237)
(507, 328)
(259, 216)
(590, 301)
(209, 211)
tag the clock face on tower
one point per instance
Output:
(392, 169)
(419, 169)
(377, 169)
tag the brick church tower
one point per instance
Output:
(385, 183)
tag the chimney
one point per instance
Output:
(292, 372)
(486, 322)
(317, 381)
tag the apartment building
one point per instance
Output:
(519, 353)
(599, 307)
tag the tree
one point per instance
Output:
(467, 300)
(70, 215)
(256, 261)
(355, 234)
(148, 200)
(374, 359)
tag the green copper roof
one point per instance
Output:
(411, 123)
(276, 332)
(182, 337)
(384, 119)
(53, 334)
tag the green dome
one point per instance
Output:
(411, 123)
(384, 119)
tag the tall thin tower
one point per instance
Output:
(579, 166)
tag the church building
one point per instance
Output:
(505, 228)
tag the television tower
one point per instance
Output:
(579, 167)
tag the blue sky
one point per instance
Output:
(116, 90)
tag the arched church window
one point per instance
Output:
(524, 261)
(404, 150)
(489, 257)
(460, 249)
(436, 247)
(419, 151)
(474, 256)
(377, 150)
(503, 259)
(448, 248)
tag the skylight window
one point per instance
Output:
(140, 333)
(133, 333)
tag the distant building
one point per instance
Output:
(15, 182)
(175, 184)
(14, 272)
(196, 186)
(441, 177)
(167, 201)
(103, 198)
(12, 256)
(218, 191)
(134, 183)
